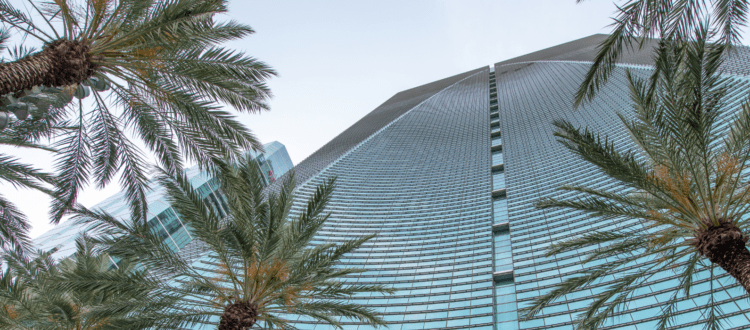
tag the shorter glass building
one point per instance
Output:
(274, 162)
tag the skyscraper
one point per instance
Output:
(274, 162)
(447, 174)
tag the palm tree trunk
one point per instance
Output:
(239, 316)
(724, 245)
(60, 63)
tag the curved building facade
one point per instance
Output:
(421, 183)
(447, 174)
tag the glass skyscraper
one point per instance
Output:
(274, 162)
(447, 175)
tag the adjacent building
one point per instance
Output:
(274, 162)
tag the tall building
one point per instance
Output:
(274, 162)
(447, 175)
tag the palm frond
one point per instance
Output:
(73, 164)
(19, 20)
(731, 16)
(14, 228)
(638, 21)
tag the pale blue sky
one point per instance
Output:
(338, 60)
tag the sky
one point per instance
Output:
(339, 60)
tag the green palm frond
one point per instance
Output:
(4, 37)
(23, 176)
(639, 22)
(14, 228)
(13, 224)
(681, 176)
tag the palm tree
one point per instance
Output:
(265, 266)
(35, 293)
(152, 68)
(684, 177)
(638, 21)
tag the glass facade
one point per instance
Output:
(423, 184)
(164, 220)
(447, 175)
(274, 162)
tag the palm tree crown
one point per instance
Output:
(260, 266)
(684, 178)
(152, 68)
